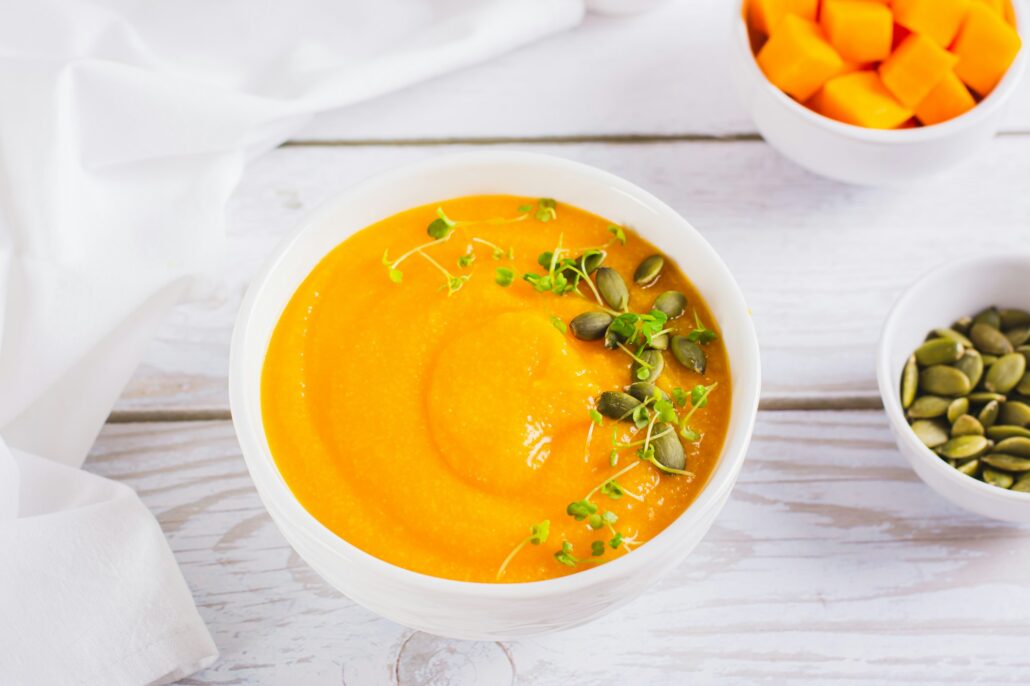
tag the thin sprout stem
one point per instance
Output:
(511, 555)
(493, 246)
(635, 358)
(419, 249)
(613, 477)
(436, 264)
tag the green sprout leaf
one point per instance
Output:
(466, 259)
(596, 417)
(616, 541)
(595, 521)
(613, 490)
(680, 396)
(619, 233)
(701, 334)
(396, 275)
(504, 277)
(565, 556)
(442, 226)
(538, 533)
(546, 210)
(580, 509)
(597, 548)
(557, 323)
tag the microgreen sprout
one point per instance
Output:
(698, 399)
(467, 259)
(596, 417)
(504, 277)
(498, 253)
(546, 210)
(619, 233)
(557, 323)
(680, 396)
(701, 334)
(538, 534)
(565, 556)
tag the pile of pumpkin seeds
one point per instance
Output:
(966, 393)
(646, 338)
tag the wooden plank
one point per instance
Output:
(820, 262)
(664, 72)
(832, 562)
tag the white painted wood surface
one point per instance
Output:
(832, 562)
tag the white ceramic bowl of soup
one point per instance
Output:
(481, 610)
(939, 298)
(858, 155)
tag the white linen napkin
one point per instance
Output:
(124, 127)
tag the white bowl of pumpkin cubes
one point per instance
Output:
(878, 92)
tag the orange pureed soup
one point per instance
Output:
(434, 407)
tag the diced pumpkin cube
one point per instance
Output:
(911, 72)
(860, 99)
(859, 30)
(985, 47)
(765, 15)
(947, 100)
(936, 19)
(797, 59)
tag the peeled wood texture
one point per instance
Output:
(832, 561)
(820, 263)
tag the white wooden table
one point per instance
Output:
(832, 561)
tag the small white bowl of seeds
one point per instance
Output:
(954, 373)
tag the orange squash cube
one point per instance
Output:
(765, 15)
(985, 47)
(861, 99)
(859, 30)
(947, 100)
(797, 59)
(936, 19)
(913, 70)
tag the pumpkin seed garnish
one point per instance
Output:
(1016, 445)
(590, 326)
(996, 478)
(967, 425)
(1023, 387)
(989, 414)
(1002, 431)
(612, 288)
(932, 433)
(648, 271)
(648, 366)
(909, 382)
(1006, 373)
(617, 405)
(928, 407)
(1019, 336)
(672, 303)
(939, 351)
(990, 316)
(943, 380)
(972, 365)
(969, 467)
(957, 408)
(1014, 412)
(988, 339)
(981, 397)
(668, 450)
(1013, 318)
(1022, 485)
(951, 334)
(689, 354)
(642, 390)
(964, 447)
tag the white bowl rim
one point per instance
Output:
(890, 388)
(985, 108)
(253, 442)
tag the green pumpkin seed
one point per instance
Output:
(1017, 445)
(943, 380)
(957, 408)
(1012, 318)
(1024, 350)
(649, 270)
(951, 334)
(1014, 412)
(909, 382)
(642, 390)
(962, 324)
(660, 342)
(939, 351)
(1023, 387)
(999, 479)
(1002, 431)
(668, 451)
(969, 467)
(689, 354)
(964, 447)
(989, 414)
(650, 371)
(1022, 484)
(972, 365)
(932, 433)
(982, 397)
(1010, 463)
(1018, 336)
(590, 326)
(613, 289)
(592, 261)
(612, 339)
(988, 339)
(617, 405)
(1006, 373)
(672, 303)
(967, 425)
(928, 407)
(989, 359)
(990, 316)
